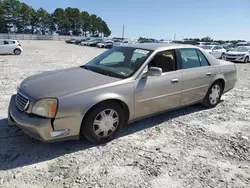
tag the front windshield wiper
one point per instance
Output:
(94, 70)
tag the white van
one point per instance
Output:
(8, 46)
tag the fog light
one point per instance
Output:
(59, 133)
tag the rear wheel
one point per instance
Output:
(103, 123)
(246, 59)
(213, 95)
(17, 51)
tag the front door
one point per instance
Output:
(158, 93)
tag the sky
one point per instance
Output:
(164, 19)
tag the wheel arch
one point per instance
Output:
(115, 99)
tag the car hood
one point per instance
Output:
(62, 82)
(236, 53)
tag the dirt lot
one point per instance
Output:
(193, 147)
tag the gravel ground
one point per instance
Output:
(192, 147)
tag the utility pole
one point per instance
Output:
(123, 28)
(174, 36)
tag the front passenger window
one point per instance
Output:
(189, 58)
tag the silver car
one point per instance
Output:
(122, 85)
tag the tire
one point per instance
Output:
(213, 96)
(101, 131)
(222, 55)
(17, 51)
(246, 59)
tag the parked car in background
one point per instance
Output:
(8, 46)
(240, 54)
(215, 50)
(119, 86)
(202, 43)
(70, 41)
(228, 46)
(105, 44)
(242, 44)
(85, 43)
(206, 43)
(78, 42)
(94, 42)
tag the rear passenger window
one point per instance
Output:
(202, 59)
(189, 58)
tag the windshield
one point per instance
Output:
(241, 49)
(207, 47)
(119, 62)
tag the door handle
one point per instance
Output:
(209, 74)
(175, 80)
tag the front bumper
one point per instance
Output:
(236, 58)
(34, 126)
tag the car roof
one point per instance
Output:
(159, 46)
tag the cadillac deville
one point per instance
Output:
(122, 85)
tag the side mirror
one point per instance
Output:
(154, 71)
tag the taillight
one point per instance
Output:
(19, 45)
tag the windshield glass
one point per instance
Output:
(119, 62)
(241, 49)
(207, 47)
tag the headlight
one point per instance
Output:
(45, 108)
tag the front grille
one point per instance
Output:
(22, 102)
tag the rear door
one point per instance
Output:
(196, 75)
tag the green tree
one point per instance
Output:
(3, 23)
(105, 29)
(33, 20)
(74, 17)
(85, 22)
(93, 24)
(61, 21)
(43, 20)
(24, 18)
(11, 11)
(206, 39)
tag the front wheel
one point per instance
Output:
(103, 123)
(246, 59)
(213, 95)
(222, 56)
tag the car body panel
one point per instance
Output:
(78, 90)
(154, 94)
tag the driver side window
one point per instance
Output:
(165, 60)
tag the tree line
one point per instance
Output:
(209, 39)
(18, 17)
